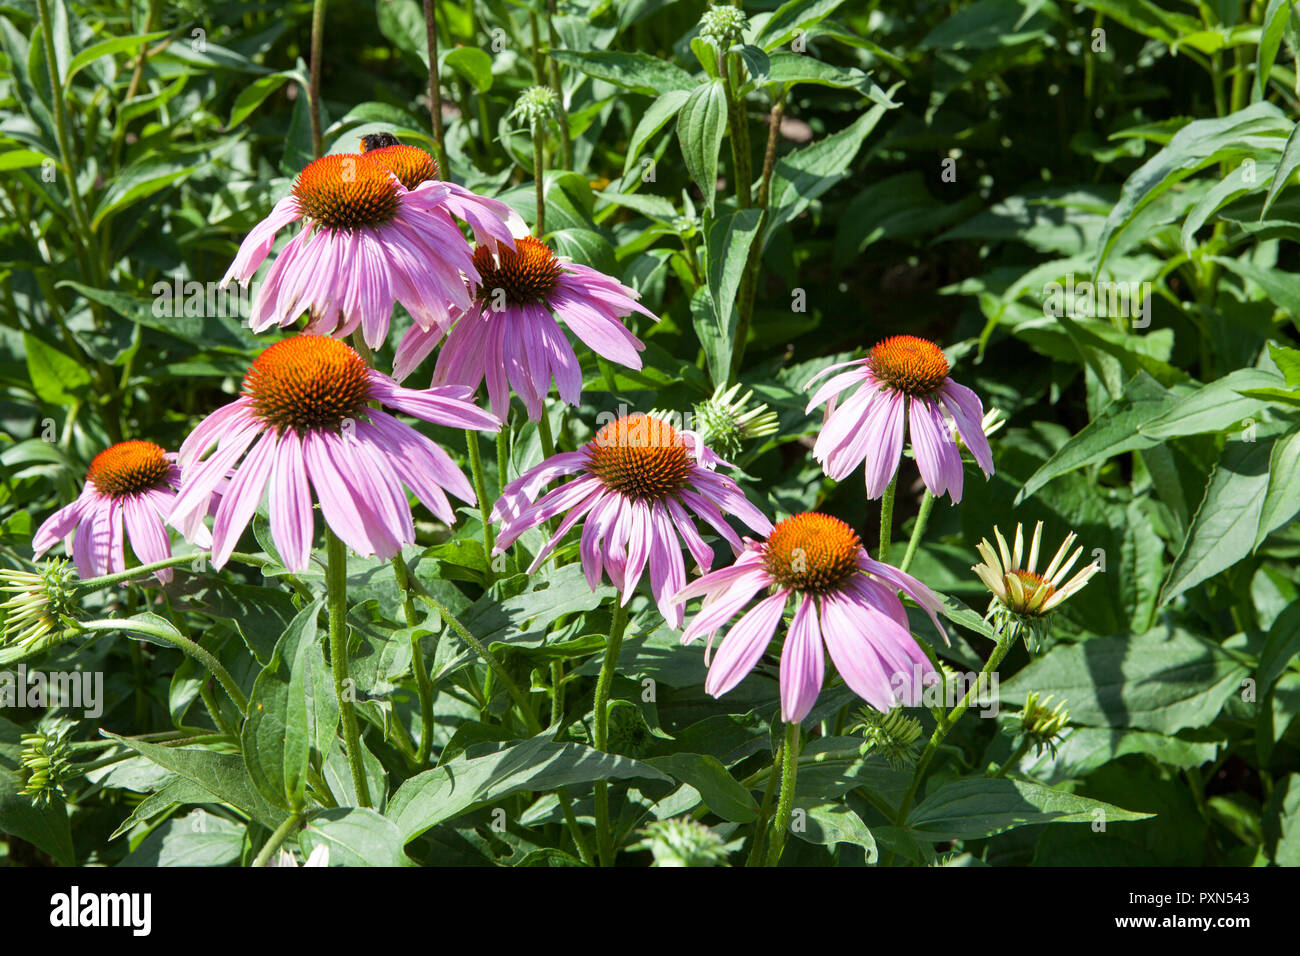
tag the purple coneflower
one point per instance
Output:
(903, 374)
(511, 333)
(641, 482)
(131, 487)
(307, 405)
(368, 242)
(842, 598)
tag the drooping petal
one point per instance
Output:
(744, 644)
(802, 663)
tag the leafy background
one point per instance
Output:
(934, 167)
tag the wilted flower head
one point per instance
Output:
(1022, 597)
(683, 842)
(904, 380)
(44, 763)
(40, 607)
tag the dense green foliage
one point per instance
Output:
(933, 169)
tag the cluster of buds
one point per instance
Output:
(684, 842)
(1042, 726)
(1023, 599)
(39, 611)
(724, 24)
(892, 736)
(44, 761)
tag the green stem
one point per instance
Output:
(949, 720)
(922, 517)
(423, 686)
(789, 773)
(1021, 749)
(544, 433)
(553, 72)
(317, 42)
(575, 831)
(435, 88)
(764, 811)
(539, 177)
(887, 518)
(277, 839)
(336, 584)
(521, 702)
(480, 490)
(182, 644)
(600, 729)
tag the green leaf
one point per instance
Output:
(356, 836)
(276, 737)
(150, 174)
(792, 18)
(1282, 495)
(473, 64)
(446, 792)
(719, 790)
(107, 48)
(1163, 680)
(56, 378)
(639, 72)
(1215, 407)
(197, 839)
(976, 808)
(585, 247)
(1276, 17)
(701, 124)
(805, 174)
(1197, 145)
(222, 775)
(1116, 430)
(829, 824)
(1280, 648)
(652, 121)
(1286, 168)
(790, 69)
(21, 159)
(253, 95)
(729, 240)
(46, 828)
(1282, 288)
(1225, 525)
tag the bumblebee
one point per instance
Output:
(378, 141)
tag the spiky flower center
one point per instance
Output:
(908, 364)
(410, 164)
(346, 191)
(524, 276)
(640, 457)
(308, 383)
(128, 468)
(811, 552)
(1031, 582)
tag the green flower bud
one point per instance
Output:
(683, 842)
(43, 765)
(893, 736)
(40, 611)
(1043, 727)
(724, 24)
(536, 106)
